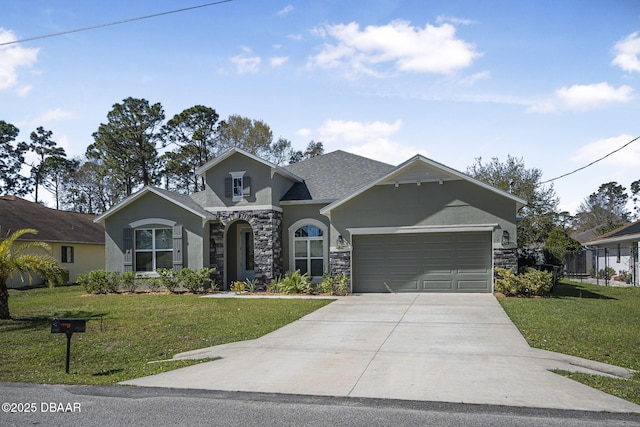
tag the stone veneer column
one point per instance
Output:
(506, 258)
(340, 262)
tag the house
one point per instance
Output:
(618, 249)
(76, 241)
(419, 226)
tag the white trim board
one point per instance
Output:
(422, 229)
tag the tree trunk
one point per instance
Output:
(4, 300)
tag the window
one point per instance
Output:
(237, 188)
(309, 245)
(67, 254)
(153, 249)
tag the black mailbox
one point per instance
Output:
(68, 326)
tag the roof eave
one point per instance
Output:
(614, 240)
(204, 168)
(136, 196)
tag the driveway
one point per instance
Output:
(431, 347)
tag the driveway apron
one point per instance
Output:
(430, 347)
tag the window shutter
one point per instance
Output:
(228, 190)
(177, 247)
(127, 242)
(246, 186)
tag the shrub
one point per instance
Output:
(99, 281)
(334, 284)
(150, 282)
(606, 273)
(530, 282)
(129, 281)
(237, 287)
(196, 280)
(625, 276)
(250, 285)
(168, 278)
(292, 283)
(297, 283)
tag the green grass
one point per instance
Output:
(126, 332)
(589, 321)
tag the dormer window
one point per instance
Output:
(238, 186)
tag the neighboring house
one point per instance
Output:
(618, 249)
(76, 241)
(419, 226)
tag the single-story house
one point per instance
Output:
(417, 227)
(618, 249)
(76, 241)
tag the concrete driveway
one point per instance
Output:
(431, 347)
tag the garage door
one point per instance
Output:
(428, 262)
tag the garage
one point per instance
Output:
(423, 262)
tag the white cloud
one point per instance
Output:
(472, 79)
(295, 36)
(432, 49)
(246, 63)
(584, 97)
(23, 91)
(629, 156)
(369, 139)
(277, 61)
(352, 131)
(54, 115)
(285, 10)
(304, 132)
(628, 53)
(453, 20)
(11, 58)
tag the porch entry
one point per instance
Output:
(240, 252)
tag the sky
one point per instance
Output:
(555, 83)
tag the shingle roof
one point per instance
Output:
(333, 175)
(625, 230)
(52, 225)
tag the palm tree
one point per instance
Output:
(13, 258)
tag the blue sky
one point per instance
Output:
(556, 83)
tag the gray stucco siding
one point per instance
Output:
(266, 188)
(452, 203)
(147, 208)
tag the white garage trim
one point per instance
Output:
(422, 229)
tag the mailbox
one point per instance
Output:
(68, 326)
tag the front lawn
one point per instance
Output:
(126, 332)
(594, 322)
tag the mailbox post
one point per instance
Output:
(68, 327)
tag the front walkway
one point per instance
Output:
(431, 347)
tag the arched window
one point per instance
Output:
(309, 247)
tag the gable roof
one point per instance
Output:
(620, 234)
(421, 169)
(184, 201)
(213, 162)
(52, 225)
(334, 175)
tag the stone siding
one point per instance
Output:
(267, 241)
(506, 258)
(340, 262)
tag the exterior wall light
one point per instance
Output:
(505, 238)
(340, 242)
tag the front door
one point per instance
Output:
(245, 257)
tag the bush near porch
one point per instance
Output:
(594, 322)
